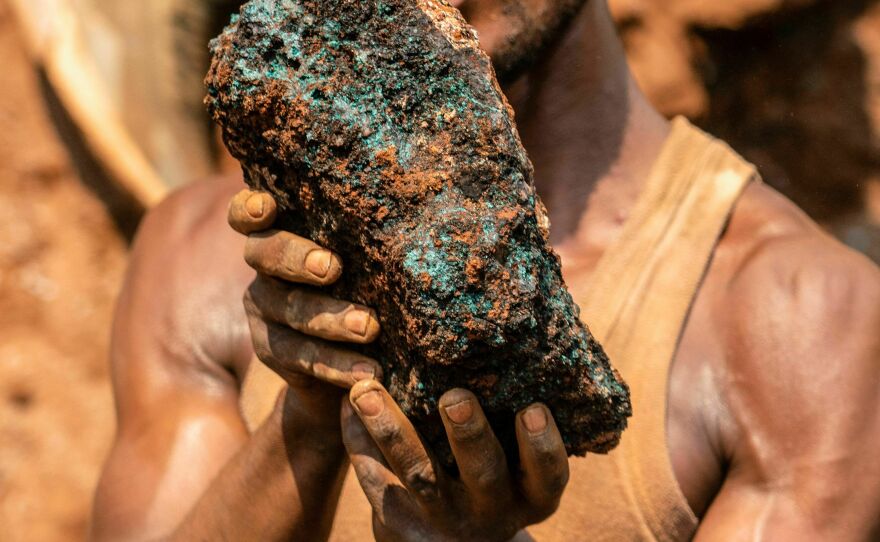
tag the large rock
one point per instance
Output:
(381, 130)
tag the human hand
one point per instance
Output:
(296, 330)
(413, 499)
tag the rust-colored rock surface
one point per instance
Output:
(380, 128)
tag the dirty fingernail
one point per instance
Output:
(318, 262)
(357, 321)
(370, 403)
(363, 371)
(460, 412)
(535, 419)
(255, 206)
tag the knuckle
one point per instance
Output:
(386, 431)
(545, 456)
(253, 255)
(258, 298)
(285, 352)
(370, 476)
(263, 351)
(491, 475)
(250, 303)
(250, 308)
(258, 330)
(295, 309)
(556, 482)
(548, 451)
(303, 355)
(421, 480)
(554, 467)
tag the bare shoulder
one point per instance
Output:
(191, 211)
(791, 278)
(185, 281)
(800, 320)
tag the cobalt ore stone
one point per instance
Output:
(379, 127)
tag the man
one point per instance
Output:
(769, 430)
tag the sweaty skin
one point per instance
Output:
(774, 392)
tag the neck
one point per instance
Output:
(589, 131)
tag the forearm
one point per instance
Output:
(283, 484)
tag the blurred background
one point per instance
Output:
(794, 85)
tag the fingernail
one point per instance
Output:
(460, 413)
(535, 419)
(362, 371)
(255, 206)
(370, 403)
(318, 262)
(357, 321)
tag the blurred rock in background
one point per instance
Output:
(794, 85)
(61, 265)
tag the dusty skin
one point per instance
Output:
(49, 474)
(51, 450)
(773, 391)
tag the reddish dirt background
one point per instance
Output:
(794, 84)
(61, 263)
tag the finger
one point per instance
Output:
(397, 439)
(370, 467)
(311, 312)
(387, 495)
(480, 458)
(292, 354)
(290, 257)
(251, 211)
(542, 457)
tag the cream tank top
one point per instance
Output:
(636, 304)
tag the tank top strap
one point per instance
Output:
(638, 301)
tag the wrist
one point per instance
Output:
(312, 418)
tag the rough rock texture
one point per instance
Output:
(380, 128)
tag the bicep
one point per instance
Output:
(804, 396)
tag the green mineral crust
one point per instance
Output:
(381, 130)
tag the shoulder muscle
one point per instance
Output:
(803, 374)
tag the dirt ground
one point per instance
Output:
(61, 264)
(793, 84)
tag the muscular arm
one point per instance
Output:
(182, 465)
(803, 393)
